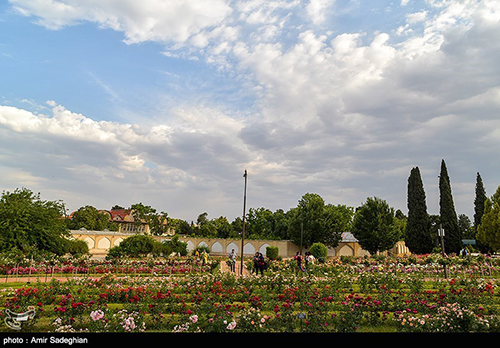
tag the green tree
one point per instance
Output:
(465, 226)
(449, 219)
(27, 222)
(488, 232)
(157, 222)
(418, 237)
(205, 227)
(137, 245)
(259, 223)
(479, 201)
(313, 221)
(222, 226)
(280, 224)
(90, 218)
(374, 226)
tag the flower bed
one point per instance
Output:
(350, 295)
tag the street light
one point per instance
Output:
(244, 213)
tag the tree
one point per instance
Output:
(312, 221)
(465, 227)
(137, 245)
(374, 226)
(449, 220)
(90, 218)
(146, 214)
(27, 222)
(418, 237)
(479, 201)
(488, 232)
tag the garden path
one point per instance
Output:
(225, 268)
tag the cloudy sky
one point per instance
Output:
(167, 102)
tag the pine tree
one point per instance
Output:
(449, 219)
(418, 237)
(479, 201)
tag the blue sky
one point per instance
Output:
(168, 102)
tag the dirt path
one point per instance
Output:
(225, 268)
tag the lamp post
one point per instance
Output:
(244, 213)
(441, 234)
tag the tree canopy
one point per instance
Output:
(313, 221)
(27, 222)
(374, 226)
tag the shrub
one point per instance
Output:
(272, 252)
(319, 251)
(138, 245)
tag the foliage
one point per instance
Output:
(136, 245)
(313, 221)
(77, 247)
(418, 238)
(449, 220)
(90, 218)
(489, 229)
(374, 226)
(27, 222)
(355, 295)
(176, 246)
(272, 252)
(479, 200)
(319, 251)
(146, 214)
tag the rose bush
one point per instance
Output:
(342, 295)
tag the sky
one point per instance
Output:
(168, 102)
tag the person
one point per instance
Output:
(255, 260)
(306, 261)
(232, 261)
(204, 256)
(261, 263)
(309, 260)
(298, 258)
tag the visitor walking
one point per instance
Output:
(204, 257)
(298, 258)
(232, 261)
(255, 261)
(262, 263)
(309, 260)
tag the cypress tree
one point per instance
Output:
(418, 237)
(479, 210)
(479, 201)
(449, 219)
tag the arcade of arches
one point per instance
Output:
(100, 242)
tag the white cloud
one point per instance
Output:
(341, 112)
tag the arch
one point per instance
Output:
(190, 245)
(331, 252)
(248, 249)
(263, 248)
(217, 248)
(346, 250)
(232, 246)
(203, 244)
(117, 241)
(104, 243)
(90, 242)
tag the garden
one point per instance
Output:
(426, 293)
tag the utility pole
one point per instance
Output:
(441, 234)
(244, 213)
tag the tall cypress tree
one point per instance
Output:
(418, 237)
(479, 207)
(479, 201)
(449, 219)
